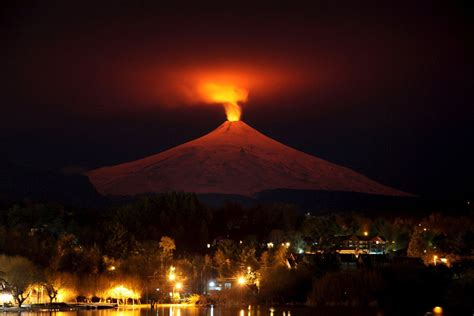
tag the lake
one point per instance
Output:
(217, 311)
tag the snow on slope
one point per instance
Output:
(232, 159)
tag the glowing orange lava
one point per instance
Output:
(228, 95)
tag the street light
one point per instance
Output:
(438, 310)
(172, 276)
(241, 280)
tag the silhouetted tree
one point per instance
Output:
(18, 274)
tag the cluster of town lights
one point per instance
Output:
(177, 286)
(437, 259)
(122, 292)
(36, 294)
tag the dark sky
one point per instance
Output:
(386, 91)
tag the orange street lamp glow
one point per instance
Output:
(122, 292)
(241, 280)
(5, 298)
(179, 286)
(172, 276)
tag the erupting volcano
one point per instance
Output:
(232, 159)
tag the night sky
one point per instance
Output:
(386, 91)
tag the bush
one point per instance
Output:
(355, 288)
(280, 285)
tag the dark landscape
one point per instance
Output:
(236, 159)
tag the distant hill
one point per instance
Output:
(18, 182)
(329, 202)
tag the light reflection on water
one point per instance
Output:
(210, 311)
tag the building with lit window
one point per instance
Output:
(355, 244)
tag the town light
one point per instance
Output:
(65, 294)
(5, 298)
(122, 292)
(437, 310)
(241, 280)
(172, 276)
(435, 258)
(179, 286)
(366, 233)
(212, 284)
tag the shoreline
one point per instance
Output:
(65, 307)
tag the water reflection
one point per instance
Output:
(183, 310)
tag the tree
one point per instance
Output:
(322, 229)
(225, 258)
(222, 263)
(120, 241)
(19, 274)
(167, 246)
(417, 244)
(247, 257)
(55, 282)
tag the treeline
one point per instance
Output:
(140, 240)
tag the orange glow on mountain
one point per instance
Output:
(226, 94)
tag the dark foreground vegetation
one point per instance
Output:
(267, 254)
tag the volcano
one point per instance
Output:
(233, 159)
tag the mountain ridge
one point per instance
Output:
(232, 159)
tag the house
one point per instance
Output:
(355, 244)
(221, 284)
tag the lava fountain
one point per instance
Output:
(228, 95)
